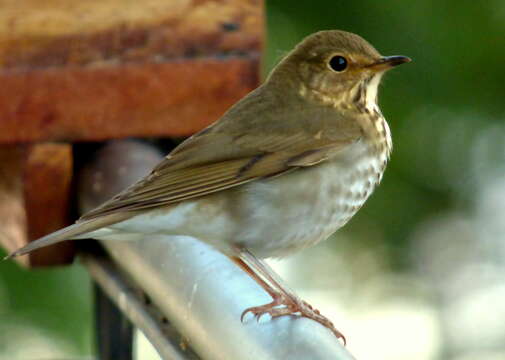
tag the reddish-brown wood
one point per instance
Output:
(13, 224)
(35, 184)
(35, 34)
(47, 189)
(79, 103)
(98, 69)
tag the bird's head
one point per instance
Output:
(335, 64)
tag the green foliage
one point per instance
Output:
(56, 301)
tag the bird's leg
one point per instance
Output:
(266, 286)
(285, 302)
(280, 305)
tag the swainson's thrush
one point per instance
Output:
(283, 169)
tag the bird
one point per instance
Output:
(283, 169)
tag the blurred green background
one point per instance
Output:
(418, 273)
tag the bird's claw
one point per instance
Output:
(282, 306)
(259, 311)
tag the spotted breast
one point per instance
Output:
(331, 193)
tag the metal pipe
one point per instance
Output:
(131, 303)
(203, 293)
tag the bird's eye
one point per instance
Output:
(338, 63)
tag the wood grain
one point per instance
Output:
(95, 70)
(148, 100)
(35, 190)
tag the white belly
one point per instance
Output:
(288, 213)
(272, 217)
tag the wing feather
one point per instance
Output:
(234, 151)
(186, 184)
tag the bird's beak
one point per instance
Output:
(388, 62)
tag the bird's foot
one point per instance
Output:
(285, 305)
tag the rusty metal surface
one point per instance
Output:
(35, 189)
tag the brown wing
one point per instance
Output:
(164, 188)
(237, 150)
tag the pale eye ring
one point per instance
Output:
(337, 63)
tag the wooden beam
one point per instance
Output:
(157, 100)
(59, 33)
(35, 189)
(95, 70)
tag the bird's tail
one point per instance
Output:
(71, 232)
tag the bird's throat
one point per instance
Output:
(370, 88)
(371, 119)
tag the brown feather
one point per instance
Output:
(71, 231)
